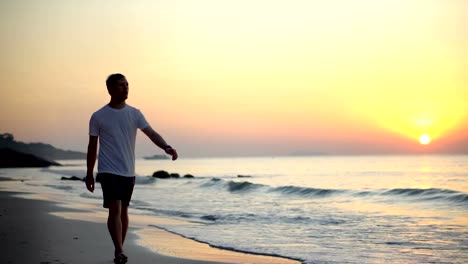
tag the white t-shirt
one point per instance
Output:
(117, 129)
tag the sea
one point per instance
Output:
(316, 209)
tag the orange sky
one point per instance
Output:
(242, 77)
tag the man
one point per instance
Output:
(115, 125)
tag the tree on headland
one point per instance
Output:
(7, 137)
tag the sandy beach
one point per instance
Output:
(31, 232)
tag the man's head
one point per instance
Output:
(117, 86)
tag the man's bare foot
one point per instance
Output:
(120, 258)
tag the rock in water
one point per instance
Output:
(72, 178)
(174, 175)
(161, 174)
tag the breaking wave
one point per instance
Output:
(433, 194)
(242, 186)
(304, 191)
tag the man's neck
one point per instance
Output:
(117, 104)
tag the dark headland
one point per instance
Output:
(10, 158)
(44, 151)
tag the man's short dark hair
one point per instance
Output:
(113, 78)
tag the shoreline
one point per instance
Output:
(36, 229)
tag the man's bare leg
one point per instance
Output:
(124, 220)
(114, 224)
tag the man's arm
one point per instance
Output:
(160, 142)
(90, 161)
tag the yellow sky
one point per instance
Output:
(242, 77)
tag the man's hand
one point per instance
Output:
(160, 142)
(172, 152)
(90, 183)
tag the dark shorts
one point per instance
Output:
(116, 187)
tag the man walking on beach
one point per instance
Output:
(115, 125)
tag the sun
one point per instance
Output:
(424, 139)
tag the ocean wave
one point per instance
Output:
(245, 186)
(210, 217)
(232, 218)
(242, 186)
(231, 186)
(90, 195)
(144, 179)
(364, 193)
(139, 203)
(304, 191)
(60, 187)
(418, 192)
(268, 218)
(212, 182)
(165, 212)
(410, 194)
(430, 194)
(459, 198)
